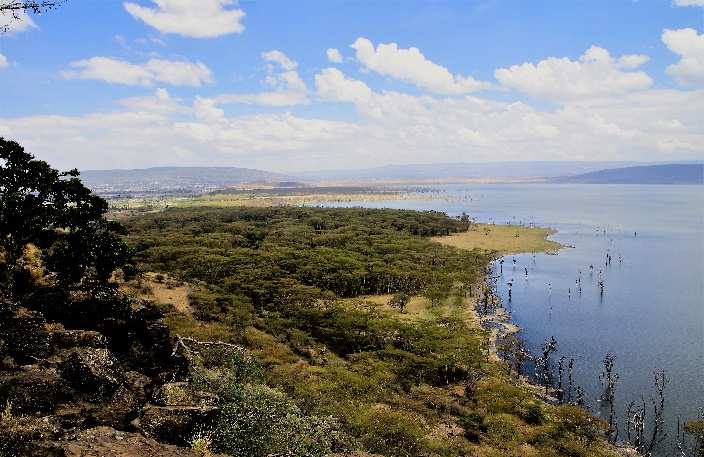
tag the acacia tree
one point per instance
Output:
(54, 211)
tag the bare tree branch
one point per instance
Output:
(13, 9)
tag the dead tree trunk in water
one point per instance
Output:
(658, 433)
(609, 379)
(543, 365)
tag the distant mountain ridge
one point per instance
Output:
(172, 180)
(651, 174)
(464, 170)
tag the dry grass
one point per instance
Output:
(502, 239)
(162, 289)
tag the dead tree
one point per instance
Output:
(609, 380)
(658, 428)
(543, 363)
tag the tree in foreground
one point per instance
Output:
(55, 213)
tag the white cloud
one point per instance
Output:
(173, 72)
(410, 65)
(191, 18)
(690, 47)
(16, 22)
(3, 61)
(392, 127)
(280, 58)
(160, 102)
(160, 130)
(332, 84)
(334, 55)
(288, 88)
(595, 74)
(398, 127)
(688, 2)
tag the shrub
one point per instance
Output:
(263, 421)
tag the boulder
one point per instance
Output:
(63, 339)
(32, 390)
(175, 424)
(25, 336)
(118, 411)
(93, 370)
(18, 433)
(106, 441)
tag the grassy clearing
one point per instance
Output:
(502, 239)
(164, 290)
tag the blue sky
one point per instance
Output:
(101, 84)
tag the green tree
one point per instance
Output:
(54, 211)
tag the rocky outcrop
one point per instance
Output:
(32, 389)
(25, 337)
(92, 370)
(175, 424)
(68, 391)
(106, 441)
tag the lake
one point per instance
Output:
(651, 314)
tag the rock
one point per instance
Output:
(106, 441)
(25, 336)
(63, 338)
(144, 310)
(119, 411)
(182, 394)
(17, 434)
(92, 370)
(139, 384)
(32, 390)
(175, 424)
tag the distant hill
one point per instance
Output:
(174, 180)
(463, 170)
(651, 174)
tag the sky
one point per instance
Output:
(329, 84)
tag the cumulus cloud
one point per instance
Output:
(688, 2)
(280, 58)
(287, 87)
(689, 45)
(397, 127)
(391, 127)
(411, 66)
(160, 102)
(334, 55)
(3, 61)
(16, 22)
(195, 19)
(160, 130)
(115, 71)
(595, 74)
(332, 84)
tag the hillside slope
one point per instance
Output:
(653, 174)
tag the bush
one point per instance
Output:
(391, 433)
(265, 421)
(474, 426)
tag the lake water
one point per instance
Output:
(651, 314)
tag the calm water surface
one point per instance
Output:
(651, 315)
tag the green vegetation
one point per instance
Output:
(305, 358)
(54, 237)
